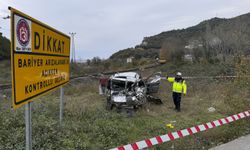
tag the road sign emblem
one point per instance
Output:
(23, 32)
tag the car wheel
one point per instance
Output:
(109, 105)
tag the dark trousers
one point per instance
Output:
(177, 100)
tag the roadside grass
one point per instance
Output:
(5, 76)
(88, 125)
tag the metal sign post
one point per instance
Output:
(28, 126)
(61, 104)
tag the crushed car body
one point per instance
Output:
(129, 90)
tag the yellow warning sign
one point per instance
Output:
(39, 56)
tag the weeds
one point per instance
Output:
(87, 125)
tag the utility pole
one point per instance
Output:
(73, 57)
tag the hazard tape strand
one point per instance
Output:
(211, 77)
(182, 133)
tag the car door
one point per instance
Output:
(153, 83)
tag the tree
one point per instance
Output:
(172, 49)
(96, 61)
(88, 62)
(106, 65)
(4, 48)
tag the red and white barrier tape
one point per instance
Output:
(182, 133)
(209, 77)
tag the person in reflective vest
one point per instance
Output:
(179, 87)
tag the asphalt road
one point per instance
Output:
(242, 143)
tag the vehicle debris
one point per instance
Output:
(211, 109)
(128, 90)
(169, 125)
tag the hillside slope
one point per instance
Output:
(213, 37)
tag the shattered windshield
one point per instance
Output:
(118, 85)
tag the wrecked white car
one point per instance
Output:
(129, 90)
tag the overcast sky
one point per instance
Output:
(105, 26)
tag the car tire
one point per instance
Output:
(109, 105)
